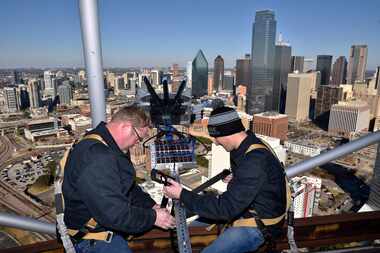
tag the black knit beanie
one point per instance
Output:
(224, 121)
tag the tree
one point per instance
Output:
(52, 166)
(202, 161)
(26, 114)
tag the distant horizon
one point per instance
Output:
(104, 68)
(46, 34)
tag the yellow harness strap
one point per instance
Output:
(94, 137)
(91, 224)
(63, 160)
(255, 146)
(99, 236)
(250, 222)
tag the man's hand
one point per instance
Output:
(173, 190)
(227, 179)
(164, 219)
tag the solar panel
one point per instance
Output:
(167, 152)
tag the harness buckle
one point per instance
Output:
(109, 237)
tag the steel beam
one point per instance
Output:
(92, 51)
(26, 223)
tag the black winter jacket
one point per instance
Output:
(99, 183)
(258, 182)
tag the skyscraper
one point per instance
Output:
(34, 93)
(281, 70)
(132, 85)
(218, 73)
(24, 97)
(130, 76)
(347, 117)
(297, 64)
(176, 75)
(54, 84)
(298, 95)
(155, 76)
(47, 79)
(377, 82)
(339, 71)
(324, 66)
(328, 95)
(119, 85)
(199, 75)
(243, 71)
(357, 64)
(82, 75)
(65, 94)
(18, 77)
(11, 100)
(228, 80)
(260, 91)
(308, 65)
(110, 79)
(188, 73)
(210, 86)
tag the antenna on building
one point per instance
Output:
(280, 40)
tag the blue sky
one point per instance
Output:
(46, 33)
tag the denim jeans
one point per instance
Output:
(117, 245)
(236, 240)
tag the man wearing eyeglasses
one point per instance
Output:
(99, 186)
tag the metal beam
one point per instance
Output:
(92, 52)
(311, 232)
(333, 154)
(26, 223)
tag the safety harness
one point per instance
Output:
(256, 221)
(251, 222)
(90, 230)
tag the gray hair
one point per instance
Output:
(133, 114)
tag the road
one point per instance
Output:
(6, 149)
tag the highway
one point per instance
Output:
(14, 201)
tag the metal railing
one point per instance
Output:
(333, 154)
(26, 223)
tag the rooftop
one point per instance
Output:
(272, 115)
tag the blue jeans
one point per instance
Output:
(117, 245)
(236, 240)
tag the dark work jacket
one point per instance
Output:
(99, 183)
(258, 182)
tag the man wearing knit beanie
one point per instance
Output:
(255, 200)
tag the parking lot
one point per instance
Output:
(27, 172)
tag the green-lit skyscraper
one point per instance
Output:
(199, 75)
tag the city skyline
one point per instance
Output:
(47, 33)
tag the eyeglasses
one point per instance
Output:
(137, 134)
